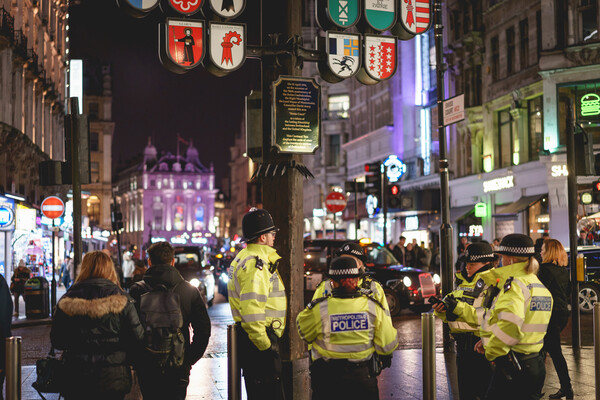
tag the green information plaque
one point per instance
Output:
(296, 115)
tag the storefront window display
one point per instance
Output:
(470, 227)
(538, 218)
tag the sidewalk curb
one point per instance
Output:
(30, 322)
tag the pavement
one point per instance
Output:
(403, 380)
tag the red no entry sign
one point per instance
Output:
(53, 207)
(335, 202)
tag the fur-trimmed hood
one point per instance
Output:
(93, 308)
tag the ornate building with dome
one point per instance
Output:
(167, 197)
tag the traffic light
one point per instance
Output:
(373, 180)
(117, 219)
(596, 192)
(393, 196)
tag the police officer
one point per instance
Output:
(345, 329)
(513, 322)
(474, 371)
(258, 305)
(365, 282)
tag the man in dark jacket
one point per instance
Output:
(6, 309)
(173, 383)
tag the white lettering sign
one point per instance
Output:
(559, 170)
(506, 182)
(475, 230)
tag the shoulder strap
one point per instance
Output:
(313, 303)
(374, 300)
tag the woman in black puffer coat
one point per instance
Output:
(555, 276)
(98, 328)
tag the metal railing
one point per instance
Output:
(7, 23)
(20, 41)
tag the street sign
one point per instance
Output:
(181, 44)
(379, 59)
(52, 207)
(343, 53)
(228, 8)
(380, 14)
(335, 202)
(415, 16)
(185, 7)
(454, 109)
(227, 47)
(337, 13)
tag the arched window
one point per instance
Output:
(199, 221)
(178, 217)
(93, 210)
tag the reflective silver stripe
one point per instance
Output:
(253, 317)
(302, 335)
(236, 313)
(525, 290)
(324, 312)
(387, 313)
(277, 294)
(253, 296)
(344, 348)
(389, 347)
(536, 285)
(461, 325)
(510, 317)
(480, 312)
(275, 313)
(485, 340)
(233, 294)
(372, 317)
(506, 338)
(534, 327)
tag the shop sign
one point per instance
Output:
(394, 168)
(411, 223)
(198, 239)
(493, 185)
(318, 212)
(559, 170)
(543, 218)
(157, 239)
(475, 230)
(25, 219)
(590, 105)
(180, 239)
(7, 214)
(371, 205)
(47, 221)
(480, 210)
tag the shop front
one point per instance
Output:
(7, 227)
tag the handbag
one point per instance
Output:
(50, 374)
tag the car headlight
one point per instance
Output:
(407, 282)
(436, 279)
(224, 278)
(195, 282)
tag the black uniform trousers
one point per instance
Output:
(341, 379)
(262, 369)
(552, 347)
(474, 370)
(169, 384)
(508, 383)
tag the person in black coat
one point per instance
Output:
(555, 277)
(172, 384)
(98, 328)
(6, 309)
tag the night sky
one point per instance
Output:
(148, 100)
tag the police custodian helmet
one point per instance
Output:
(257, 222)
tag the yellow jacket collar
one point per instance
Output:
(490, 277)
(265, 252)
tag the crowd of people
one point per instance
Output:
(415, 255)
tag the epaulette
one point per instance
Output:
(508, 284)
(366, 292)
(317, 301)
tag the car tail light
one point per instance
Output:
(427, 285)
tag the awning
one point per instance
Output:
(457, 213)
(518, 206)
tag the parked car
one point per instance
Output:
(222, 263)
(190, 262)
(404, 287)
(589, 291)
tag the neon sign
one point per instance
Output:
(506, 182)
(394, 168)
(590, 104)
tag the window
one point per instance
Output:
(93, 210)
(93, 110)
(94, 141)
(524, 39)
(199, 218)
(510, 51)
(157, 217)
(95, 171)
(333, 158)
(505, 138)
(535, 113)
(178, 217)
(584, 97)
(538, 32)
(495, 58)
(588, 20)
(338, 106)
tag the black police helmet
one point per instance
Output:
(344, 267)
(478, 252)
(516, 245)
(353, 249)
(255, 223)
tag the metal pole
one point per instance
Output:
(356, 209)
(384, 205)
(572, 196)
(13, 368)
(53, 290)
(73, 111)
(334, 227)
(597, 347)
(234, 377)
(446, 228)
(428, 345)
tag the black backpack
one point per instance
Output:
(160, 315)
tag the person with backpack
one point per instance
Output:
(168, 305)
(258, 305)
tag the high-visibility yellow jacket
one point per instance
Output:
(256, 293)
(347, 328)
(518, 317)
(366, 282)
(470, 291)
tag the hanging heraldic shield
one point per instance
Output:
(227, 48)
(138, 8)
(415, 18)
(343, 54)
(184, 7)
(227, 8)
(337, 13)
(380, 14)
(181, 44)
(379, 59)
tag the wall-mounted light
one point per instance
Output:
(488, 165)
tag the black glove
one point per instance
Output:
(450, 302)
(386, 361)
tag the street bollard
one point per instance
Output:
(597, 346)
(234, 377)
(428, 345)
(13, 368)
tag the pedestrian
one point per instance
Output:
(400, 250)
(345, 330)
(539, 242)
(65, 276)
(98, 328)
(171, 383)
(513, 321)
(128, 267)
(474, 371)
(409, 256)
(365, 282)
(17, 285)
(6, 309)
(138, 271)
(495, 244)
(555, 277)
(258, 305)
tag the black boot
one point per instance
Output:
(568, 393)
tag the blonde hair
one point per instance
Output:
(555, 253)
(532, 264)
(97, 264)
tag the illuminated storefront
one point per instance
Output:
(7, 226)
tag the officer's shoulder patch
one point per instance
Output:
(479, 283)
(541, 303)
(259, 263)
(508, 284)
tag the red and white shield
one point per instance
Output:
(185, 42)
(186, 7)
(227, 45)
(415, 16)
(380, 56)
